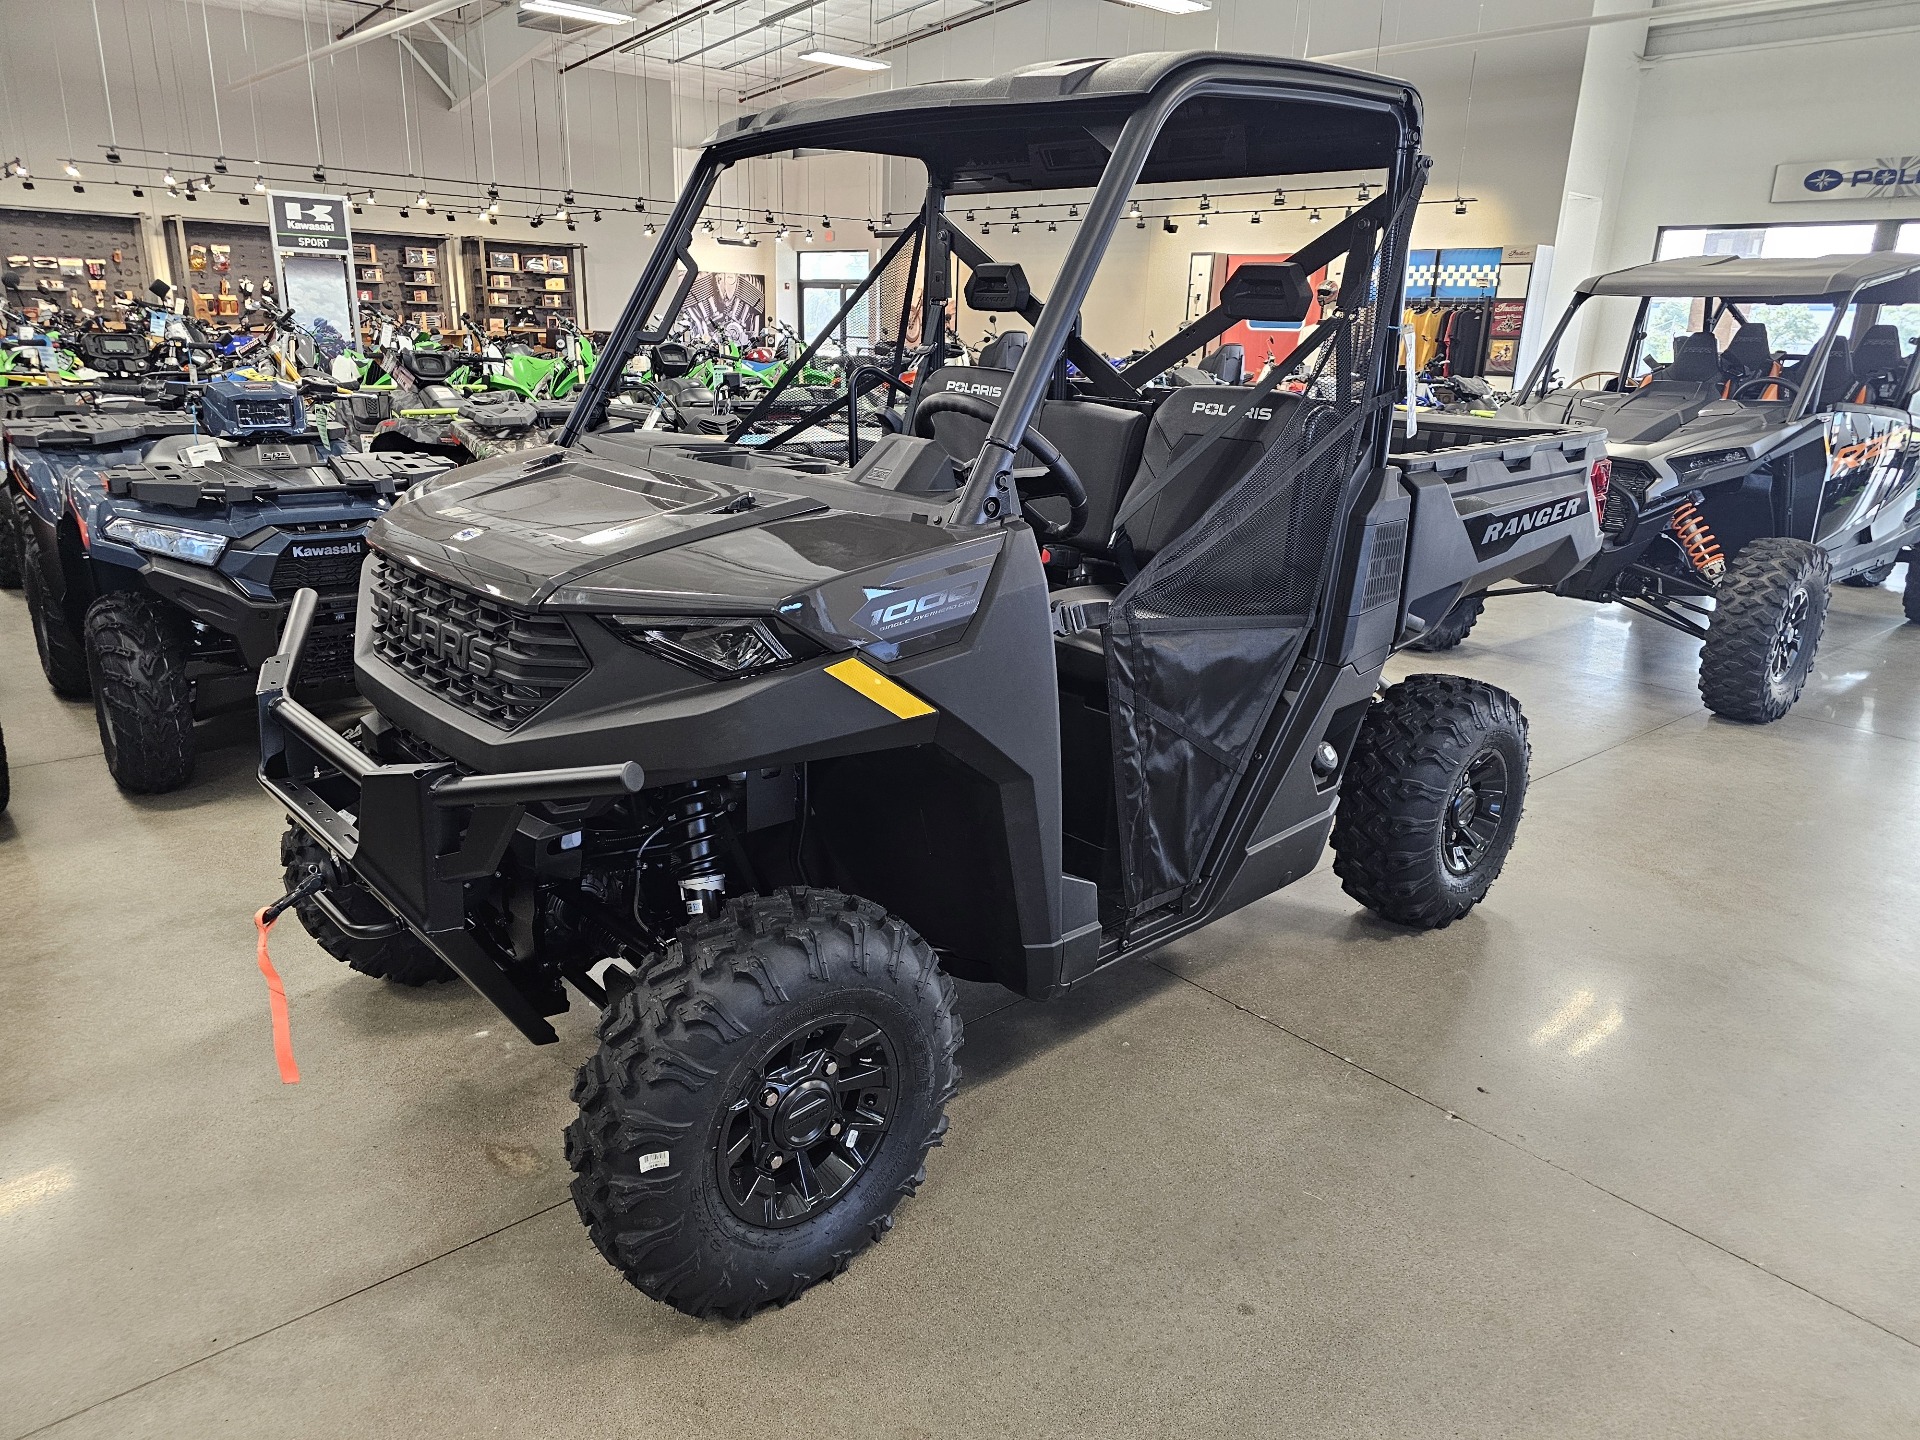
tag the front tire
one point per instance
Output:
(63, 659)
(763, 1098)
(137, 658)
(400, 958)
(1454, 626)
(1910, 597)
(1431, 799)
(1769, 611)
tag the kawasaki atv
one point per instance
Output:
(756, 750)
(159, 550)
(1747, 477)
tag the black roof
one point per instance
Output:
(1886, 278)
(1048, 125)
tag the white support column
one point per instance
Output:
(1596, 172)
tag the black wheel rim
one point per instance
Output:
(808, 1122)
(1476, 811)
(1790, 637)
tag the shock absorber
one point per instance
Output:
(1690, 528)
(694, 842)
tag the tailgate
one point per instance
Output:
(1494, 500)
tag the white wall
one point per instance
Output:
(1507, 148)
(620, 139)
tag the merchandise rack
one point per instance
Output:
(501, 280)
(421, 292)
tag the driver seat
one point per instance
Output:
(1101, 442)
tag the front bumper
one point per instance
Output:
(210, 597)
(413, 835)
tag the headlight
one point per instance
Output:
(722, 649)
(194, 546)
(1709, 460)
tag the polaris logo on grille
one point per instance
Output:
(1495, 534)
(426, 634)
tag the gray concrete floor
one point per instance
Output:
(1633, 1150)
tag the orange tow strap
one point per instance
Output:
(277, 1004)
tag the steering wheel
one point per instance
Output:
(1060, 479)
(1591, 375)
(1792, 387)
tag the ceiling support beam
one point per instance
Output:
(433, 9)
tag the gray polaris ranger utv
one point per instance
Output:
(1749, 470)
(755, 750)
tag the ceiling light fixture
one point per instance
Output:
(845, 62)
(1172, 7)
(260, 184)
(113, 156)
(1314, 218)
(573, 10)
(1256, 218)
(166, 177)
(1459, 206)
(73, 170)
(1366, 193)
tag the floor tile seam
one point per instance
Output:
(1545, 1160)
(278, 1326)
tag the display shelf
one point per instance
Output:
(504, 278)
(407, 276)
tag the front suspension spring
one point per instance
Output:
(695, 839)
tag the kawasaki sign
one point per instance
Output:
(316, 224)
(1887, 177)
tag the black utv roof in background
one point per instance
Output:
(1036, 128)
(1883, 278)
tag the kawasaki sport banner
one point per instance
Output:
(313, 249)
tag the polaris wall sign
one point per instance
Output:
(1889, 177)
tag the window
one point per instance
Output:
(827, 278)
(1773, 242)
(1795, 329)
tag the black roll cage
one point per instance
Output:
(988, 496)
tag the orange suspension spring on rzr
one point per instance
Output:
(1696, 538)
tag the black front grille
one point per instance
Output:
(1627, 487)
(327, 563)
(491, 660)
(275, 414)
(327, 661)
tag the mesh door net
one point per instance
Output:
(1201, 642)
